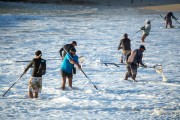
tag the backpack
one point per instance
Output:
(131, 58)
(42, 67)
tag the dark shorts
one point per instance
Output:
(65, 74)
(146, 34)
(131, 69)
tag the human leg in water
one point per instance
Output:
(143, 38)
(63, 83)
(128, 73)
(70, 82)
(134, 77)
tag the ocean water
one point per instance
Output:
(25, 28)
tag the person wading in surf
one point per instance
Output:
(125, 45)
(169, 20)
(146, 29)
(35, 81)
(133, 60)
(67, 47)
(67, 65)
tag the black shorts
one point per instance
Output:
(146, 34)
(65, 74)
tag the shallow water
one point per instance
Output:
(25, 28)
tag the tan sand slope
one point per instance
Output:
(172, 7)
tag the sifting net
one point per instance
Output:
(159, 70)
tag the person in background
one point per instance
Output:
(169, 20)
(35, 81)
(133, 60)
(146, 29)
(67, 65)
(67, 47)
(125, 45)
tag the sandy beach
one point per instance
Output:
(173, 7)
(160, 5)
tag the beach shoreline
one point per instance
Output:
(172, 7)
(160, 5)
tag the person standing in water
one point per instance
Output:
(146, 30)
(168, 19)
(125, 45)
(67, 65)
(35, 81)
(67, 47)
(133, 60)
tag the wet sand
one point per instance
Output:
(172, 7)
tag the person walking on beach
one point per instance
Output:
(67, 65)
(35, 81)
(125, 45)
(67, 47)
(146, 29)
(168, 19)
(133, 60)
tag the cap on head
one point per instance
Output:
(72, 50)
(125, 35)
(148, 21)
(74, 42)
(142, 46)
(37, 53)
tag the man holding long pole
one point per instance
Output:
(125, 45)
(67, 48)
(39, 68)
(67, 65)
(35, 82)
(67, 68)
(146, 30)
(133, 61)
(168, 19)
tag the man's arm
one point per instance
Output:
(141, 63)
(60, 51)
(28, 66)
(174, 17)
(120, 47)
(143, 28)
(74, 61)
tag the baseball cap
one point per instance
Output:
(74, 42)
(142, 46)
(148, 21)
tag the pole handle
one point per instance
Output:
(13, 84)
(89, 79)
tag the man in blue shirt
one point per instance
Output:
(67, 65)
